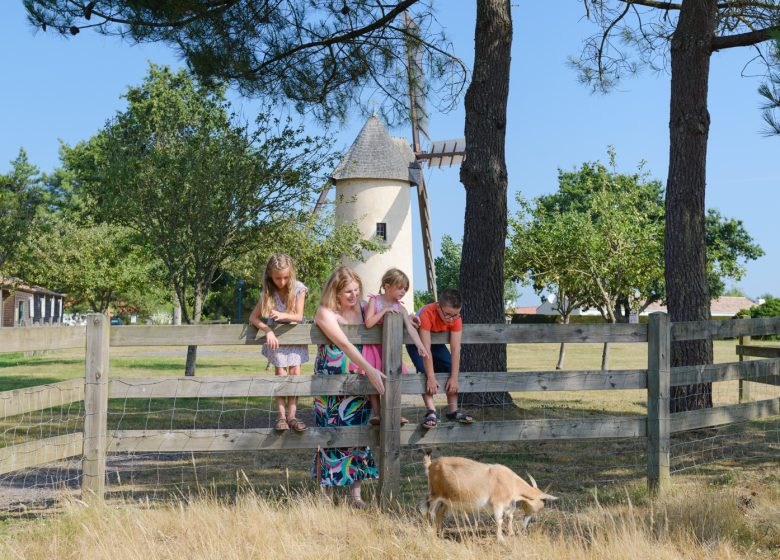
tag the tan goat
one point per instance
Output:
(464, 485)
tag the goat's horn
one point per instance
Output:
(547, 488)
(533, 482)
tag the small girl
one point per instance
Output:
(282, 301)
(395, 284)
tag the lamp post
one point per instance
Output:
(240, 283)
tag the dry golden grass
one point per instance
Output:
(696, 521)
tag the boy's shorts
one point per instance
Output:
(442, 360)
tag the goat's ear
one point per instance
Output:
(545, 496)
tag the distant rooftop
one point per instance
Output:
(377, 155)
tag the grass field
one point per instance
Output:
(604, 506)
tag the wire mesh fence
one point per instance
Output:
(225, 441)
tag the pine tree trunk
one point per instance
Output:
(484, 177)
(685, 252)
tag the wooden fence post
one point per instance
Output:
(744, 384)
(95, 408)
(389, 430)
(658, 415)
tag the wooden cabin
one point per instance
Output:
(25, 305)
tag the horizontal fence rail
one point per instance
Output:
(758, 351)
(27, 339)
(732, 328)
(180, 441)
(312, 385)
(722, 415)
(40, 397)
(762, 371)
(216, 335)
(40, 452)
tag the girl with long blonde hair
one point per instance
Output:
(281, 301)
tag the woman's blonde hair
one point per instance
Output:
(278, 262)
(395, 277)
(342, 276)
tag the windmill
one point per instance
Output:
(377, 163)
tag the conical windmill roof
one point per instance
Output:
(376, 155)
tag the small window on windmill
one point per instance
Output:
(381, 231)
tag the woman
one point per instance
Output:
(343, 466)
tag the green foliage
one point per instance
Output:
(319, 54)
(196, 187)
(729, 246)
(447, 265)
(20, 196)
(598, 242)
(98, 265)
(770, 308)
(422, 298)
(317, 245)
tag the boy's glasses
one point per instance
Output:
(448, 315)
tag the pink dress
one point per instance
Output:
(373, 352)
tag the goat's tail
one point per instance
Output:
(426, 459)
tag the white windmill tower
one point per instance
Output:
(372, 183)
(373, 180)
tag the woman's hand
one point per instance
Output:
(421, 350)
(415, 321)
(271, 340)
(375, 377)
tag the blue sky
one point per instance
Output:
(55, 89)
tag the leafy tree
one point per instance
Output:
(729, 246)
(599, 241)
(269, 48)
(683, 36)
(317, 245)
(447, 264)
(544, 247)
(196, 187)
(735, 291)
(20, 196)
(98, 265)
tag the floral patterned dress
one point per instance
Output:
(286, 356)
(340, 466)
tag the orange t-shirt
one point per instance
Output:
(430, 320)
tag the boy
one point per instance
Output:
(440, 316)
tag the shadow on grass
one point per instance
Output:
(14, 360)
(165, 365)
(11, 382)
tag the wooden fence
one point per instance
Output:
(656, 427)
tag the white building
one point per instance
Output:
(373, 183)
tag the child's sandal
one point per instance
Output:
(375, 420)
(460, 416)
(281, 425)
(430, 420)
(297, 425)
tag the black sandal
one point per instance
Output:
(430, 420)
(460, 416)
